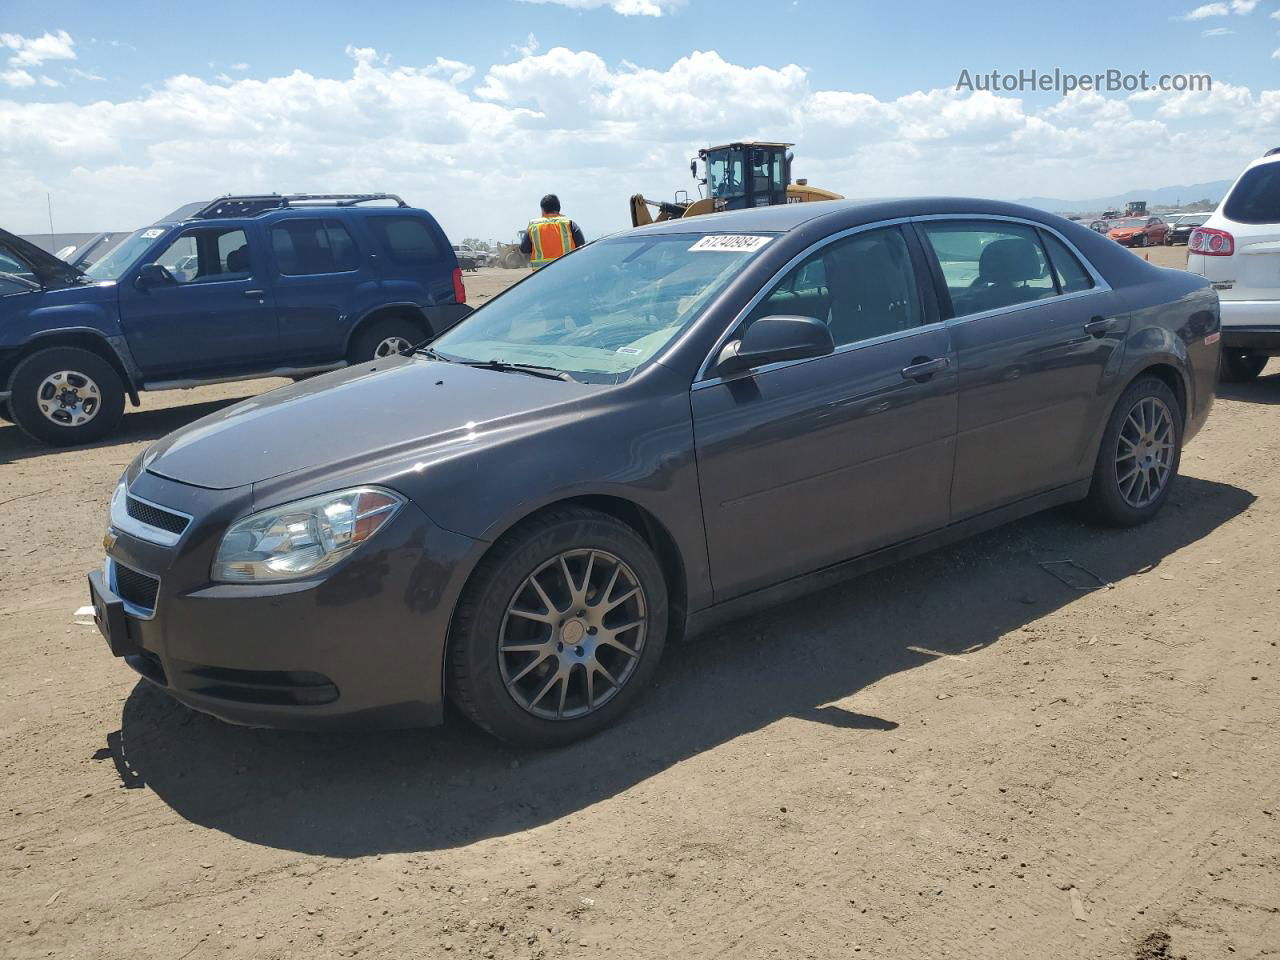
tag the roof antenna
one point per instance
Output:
(48, 200)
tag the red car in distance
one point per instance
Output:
(1138, 231)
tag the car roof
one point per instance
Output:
(839, 214)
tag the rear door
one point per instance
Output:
(806, 463)
(214, 315)
(414, 258)
(1035, 330)
(319, 276)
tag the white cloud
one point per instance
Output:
(1208, 10)
(34, 51)
(241, 67)
(479, 147)
(628, 8)
(1217, 32)
(17, 78)
(1243, 7)
(78, 74)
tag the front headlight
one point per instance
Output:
(297, 540)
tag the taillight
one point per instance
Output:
(1211, 242)
(459, 291)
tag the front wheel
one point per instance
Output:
(1237, 367)
(1139, 457)
(384, 338)
(65, 396)
(559, 630)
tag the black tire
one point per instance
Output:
(474, 674)
(1142, 240)
(370, 339)
(1238, 367)
(1106, 501)
(87, 370)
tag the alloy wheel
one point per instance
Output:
(1144, 452)
(572, 634)
(68, 398)
(390, 347)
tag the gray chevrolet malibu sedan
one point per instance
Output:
(667, 428)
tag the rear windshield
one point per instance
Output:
(1256, 197)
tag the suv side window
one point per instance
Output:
(311, 246)
(989, 264)
(16, 271)
(407, 241)
(207, 254)
(861, 286)
(1071, 274)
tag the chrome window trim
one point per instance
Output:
(138, 613)
(121, 520)
(705, 378)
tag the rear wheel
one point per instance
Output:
(384, 338)
(1237, 367)
(1138, 460)
(65, 396)
(559, 630)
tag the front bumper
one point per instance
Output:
(360, 646)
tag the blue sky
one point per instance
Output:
(142, 105)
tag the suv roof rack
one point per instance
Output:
(252, 205)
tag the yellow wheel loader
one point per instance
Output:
(747, 173)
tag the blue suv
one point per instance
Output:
(243, 287)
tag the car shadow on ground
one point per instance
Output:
(1266, 389)
(137, 426)
(355, 794)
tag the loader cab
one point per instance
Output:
(746, 174)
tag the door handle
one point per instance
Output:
(254, 294)
(922, 368)
(1098, 326)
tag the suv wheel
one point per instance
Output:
(65, 396)
(1139, 457)
(384, 338)
(559, 630)
(1237, 367)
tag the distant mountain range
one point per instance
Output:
(1158, 197)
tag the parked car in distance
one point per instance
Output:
(1238, 250)
(1180, 230)
(470, 258)
(673, 426)
(239, 288)
(1138, 231)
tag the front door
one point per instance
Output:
(211, 316)
(1035, 333)
(811, 462)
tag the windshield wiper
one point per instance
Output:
(431, 354)
(503, 366)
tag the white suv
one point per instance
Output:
(1238, 250)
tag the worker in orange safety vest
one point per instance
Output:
(550, 236)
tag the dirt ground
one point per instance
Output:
(960, 756)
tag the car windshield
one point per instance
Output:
(123, 255)
(605, 310)
(1193, 221)
(1129, 222)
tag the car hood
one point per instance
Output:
(48, 268)
(370, 411)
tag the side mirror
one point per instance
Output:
(774, 339)
(153, 275)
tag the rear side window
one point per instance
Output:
(408, 241)
(1256, 197)
(311, 246)
(1072, 276)
(990, 264)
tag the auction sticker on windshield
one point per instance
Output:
(731, 243)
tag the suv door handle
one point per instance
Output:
(922, 368)
(1098, 326)
(254, 294)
